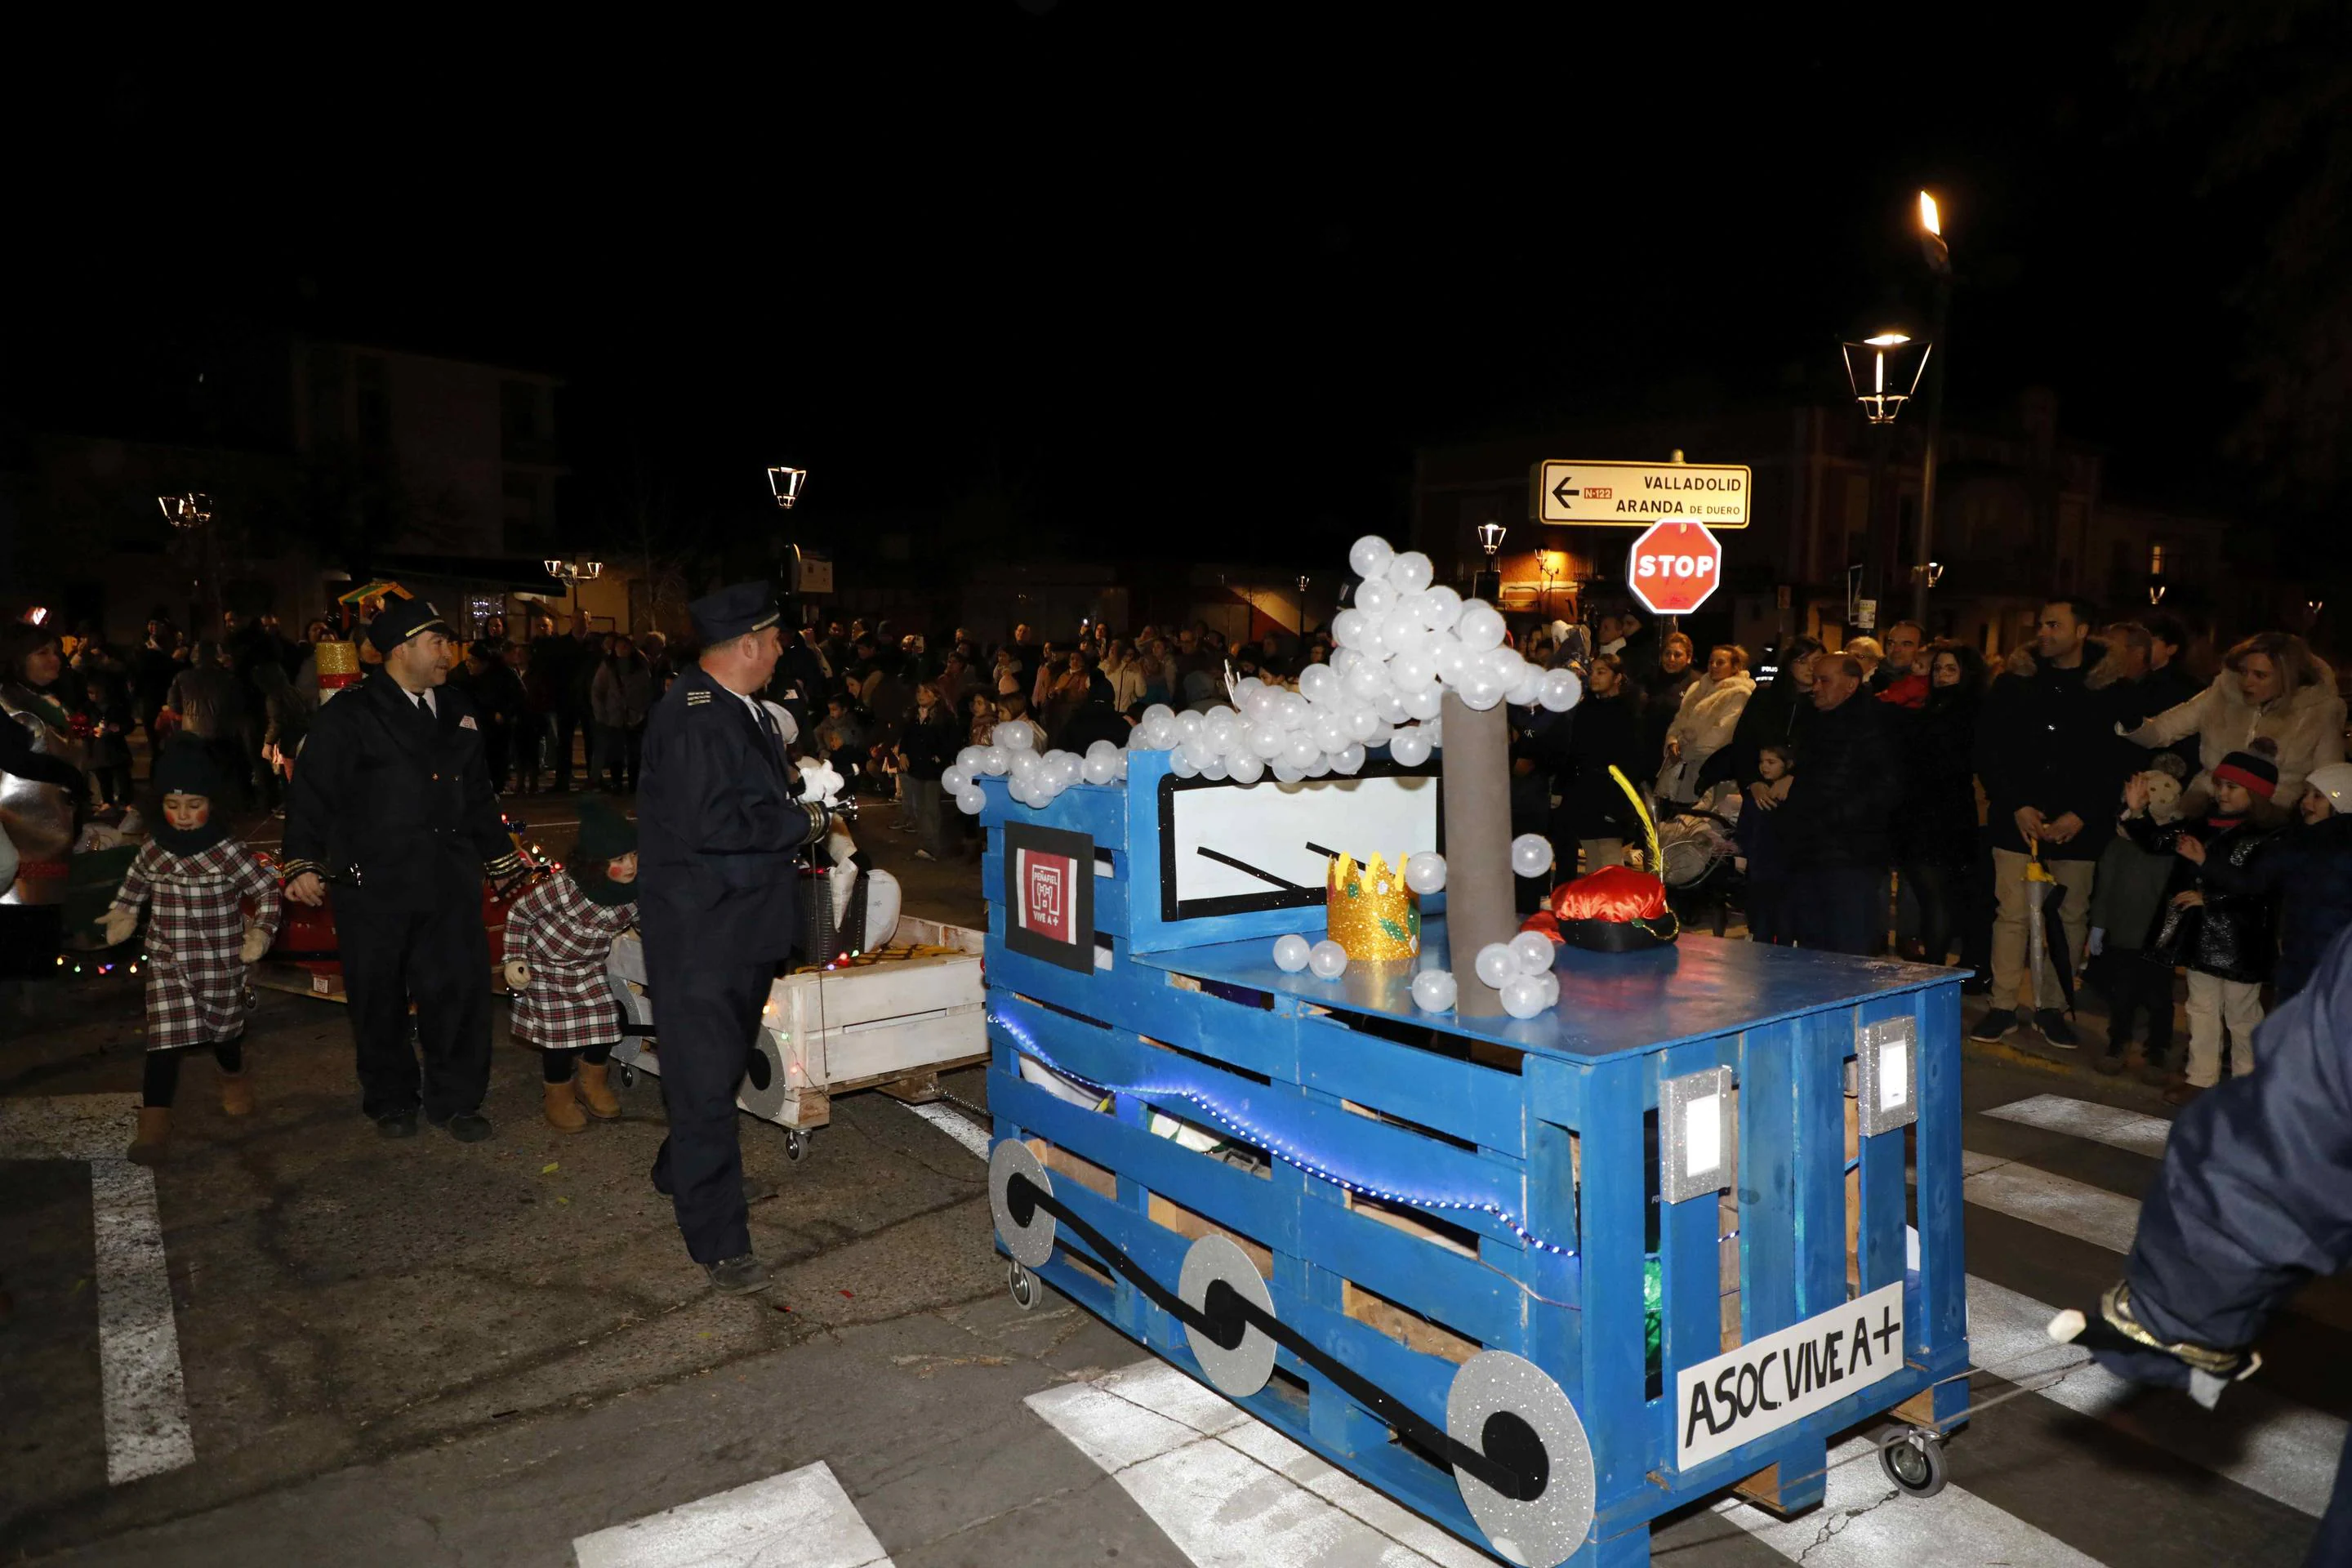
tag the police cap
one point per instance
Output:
(403, 619)
(734, 611)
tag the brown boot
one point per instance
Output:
(155, 1131)
(237, 1093)
(563, 1110)
(596, 1093)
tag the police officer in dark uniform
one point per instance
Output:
(392, 803)
(718, 815)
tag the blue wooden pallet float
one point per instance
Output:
(1681, 1194)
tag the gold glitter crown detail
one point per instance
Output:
(1370, 911)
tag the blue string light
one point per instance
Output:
(1254, 1134)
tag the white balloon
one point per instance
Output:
(1327, 959)
(1452, 659)
(1481, 626)
(1222, 729)
(1494, 964)
(1026, 765)
(1478, 689)
(953, 780)
(1318, 683)
(1413, 671)
(1330, 730)
(1319, 766)
(1411, 570)
(1369, 556)
(1016, 736)
(1285, 773)
(1528, 689)
(1370, 682)
(1403, 636)
(1533, 950)
(971, 800)
(1415, 607)
(1433, 990)
(1267, 738)
(972, 759)
(1290, 953)
(1524, 996)
(1425, 871)
(1291, 710)
(1445, 608)
(1530, 855)
(1426, 704)
(1344, 660)
(1300, 752)
(1348, 627)
(996, 760)
(1359, 724)
(1245, 767)
(1213, 767)
(1101, 748)
(1348, 759)
(1181, 763)
(1561, 690)
(1159, 734)
(1410, 749)
(1100, 768)
(1376, 595)
(1550, 980)
(1157, 710)
(1189, 723)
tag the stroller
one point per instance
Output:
(1696, 857)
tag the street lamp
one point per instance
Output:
(786, 484)
(187, 514)
(1883, 371)
(573, 573)
(1490, 535)
(1937, 254)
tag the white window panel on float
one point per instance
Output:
(1282, 830)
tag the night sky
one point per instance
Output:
(1103, 266)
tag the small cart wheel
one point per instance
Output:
(1023, 1286)
(795, 1145)
(1913, 1460)
(629, 1077)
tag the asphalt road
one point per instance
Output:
(428, 1353)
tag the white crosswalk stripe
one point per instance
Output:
(1864, 1522)
(801, 1519)
(2106, 1124)
(2054, 1203)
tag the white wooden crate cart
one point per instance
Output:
(892, 1020)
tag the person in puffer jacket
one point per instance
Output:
(1705, 722)
(2227, 942)
(2313, 858)
(2271, 687)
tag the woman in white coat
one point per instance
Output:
(1703, 725)
(2272, 687)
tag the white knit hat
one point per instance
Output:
(2333, 780)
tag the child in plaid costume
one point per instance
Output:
(199, 941)
(558, 936)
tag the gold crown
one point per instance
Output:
(1370, 911)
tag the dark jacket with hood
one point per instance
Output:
(2047, 739)
(2310, 865)
(2232, 935)
(1602, 731)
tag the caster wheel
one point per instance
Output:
(1023, 1286)
(1913, 1460)
(795, 1146)
(628, 1078)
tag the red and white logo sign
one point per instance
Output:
(1674, 567)
(1046, 896)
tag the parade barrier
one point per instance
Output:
(891, 1020)
(1650, 1246)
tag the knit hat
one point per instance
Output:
(2259, 775)
(605, 832)
(186, 767)
(2333, 780)
(604, 836)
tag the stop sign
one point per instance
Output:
(1674, 566)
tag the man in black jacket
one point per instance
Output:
(1838, 813)
(392, 803)
(719, 814)
(2052, 767)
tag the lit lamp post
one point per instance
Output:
(572, 574)
(189, 514)
(1938, 255)
(1302, 580)
(1883, 371)
(786, 484)
(1489, 583)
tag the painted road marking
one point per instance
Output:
(801, 1519)
(2054, 1203)
(1857, 1525)
(956, 1125)
(1229, 1490)
(2265, 1443)
(145, 1394)
(2117, 1129)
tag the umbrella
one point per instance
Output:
(2045, 933)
